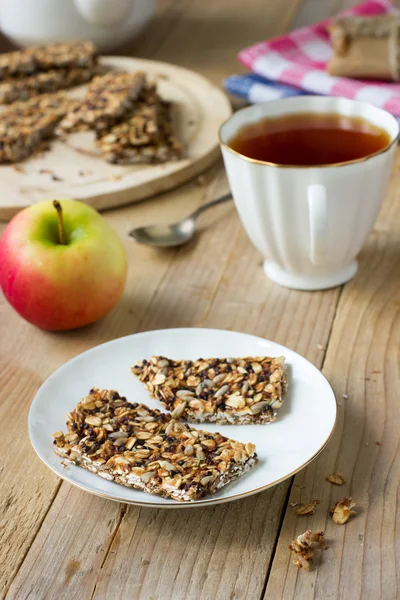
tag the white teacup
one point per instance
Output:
(309, 223)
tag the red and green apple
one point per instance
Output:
(61, 265)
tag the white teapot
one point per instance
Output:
(107, 23)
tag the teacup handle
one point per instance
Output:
(318, 219)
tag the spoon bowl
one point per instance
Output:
(175, 234)
(165, 236)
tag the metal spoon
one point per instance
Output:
(163, 236)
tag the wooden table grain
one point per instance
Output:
(57, 542)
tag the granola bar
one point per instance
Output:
(139, 128)
(231, 390)
(145, 449)
(145, 138)
(108, 98)
(42, 58)
(24, 125)
(42, 82)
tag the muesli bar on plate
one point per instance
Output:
(24, 125)
(220, 390)
(146, 137)
(42, 58)
(108, 98)
(146, 449)
(140, 127)
(42, 83)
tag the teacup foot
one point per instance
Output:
(309, 282)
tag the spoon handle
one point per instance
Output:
(208, 205)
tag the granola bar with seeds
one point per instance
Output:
(43, 58)
(148, 450)
(24, 125)
(139, 128)
(221, 390)
(66, 55)
(42, 83)
(108, 98)
(148, 140)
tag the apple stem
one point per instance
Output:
(61, 232)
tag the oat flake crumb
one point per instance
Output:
(302, 548)
(342, 512)
(307, 509)
(336, 478)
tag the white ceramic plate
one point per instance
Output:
(302, 429)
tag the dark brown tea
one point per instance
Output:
(305, 139)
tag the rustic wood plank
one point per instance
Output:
(362, 362)
(81, 547)
(184, 554)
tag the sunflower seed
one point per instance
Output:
(189, 449)
(130, 443)
(164, 464)
(257, 408)
(219, 378)
(163, 363)
(245, 387)
(115, 435)
(235, 402)
(184, 393)
(95, 421)
(169, 427)
(147, 476)
(221, 391)
(159, 379)
(200, 454)
(120, 440)
(178, 410)
(208, 383)
(206, 480)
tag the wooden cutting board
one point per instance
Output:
(75, 169)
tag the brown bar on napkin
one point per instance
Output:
(366, 47)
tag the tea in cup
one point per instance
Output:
(308, 176)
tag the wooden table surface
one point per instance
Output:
(58, 542)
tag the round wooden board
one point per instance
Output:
(75, 169)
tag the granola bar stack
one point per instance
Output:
(130, 121)
(226, 391)
(145, 449)
(24, 125)
(144, 136)
(26, 73)
(108, 99)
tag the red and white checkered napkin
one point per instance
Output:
(299, 58)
